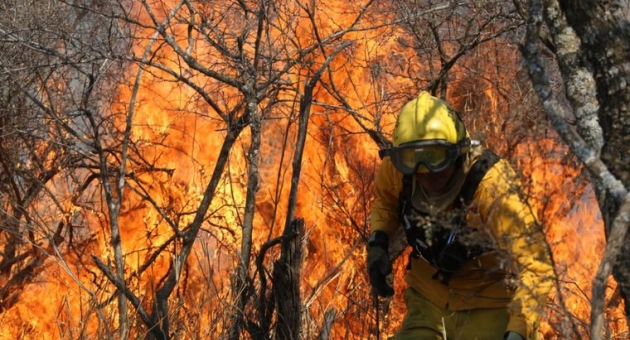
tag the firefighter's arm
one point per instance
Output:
(384, 221)
(384, 212)
(514, 225)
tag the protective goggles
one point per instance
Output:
(425, 156)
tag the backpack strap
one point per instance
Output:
(405, 194)
(484, 162)
(404, 208)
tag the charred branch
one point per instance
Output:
(148, 320)
(266, 304)
(286, 283)
(329, 319)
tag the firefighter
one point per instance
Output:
(479, 266)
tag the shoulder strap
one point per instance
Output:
(484, 162)
(404, 198)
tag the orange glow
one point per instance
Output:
(179, 135)
(570, 216)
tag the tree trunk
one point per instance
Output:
(604, 30)
(286, 283)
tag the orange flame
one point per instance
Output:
(180, 136)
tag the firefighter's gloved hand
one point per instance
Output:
(378, 263)
(513, 336)
(379, 267)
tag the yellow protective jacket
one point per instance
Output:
(518, 275)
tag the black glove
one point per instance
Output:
(378, 263)
(511, 335)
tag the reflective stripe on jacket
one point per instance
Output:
(490, 280)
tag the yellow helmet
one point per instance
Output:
(428, 137)
(428, 118)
